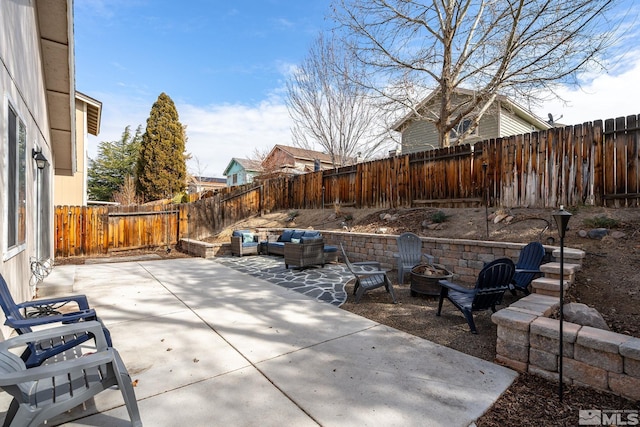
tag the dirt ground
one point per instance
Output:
(609, 281)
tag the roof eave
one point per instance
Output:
(55, 25)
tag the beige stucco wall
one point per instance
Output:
(21, 86)
(72, 190)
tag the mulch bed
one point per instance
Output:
(532, 401)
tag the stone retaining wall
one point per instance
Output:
(204, 249)
(465, 258)
(528, 341)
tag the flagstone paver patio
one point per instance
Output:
(326, 284)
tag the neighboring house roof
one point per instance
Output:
(303, 154)
(209, 179)
(55, 22)
(247, 164)
(517, 109)
(94, 113)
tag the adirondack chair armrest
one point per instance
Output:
(429, 258)
(59, 368)
(370, 272)
(524, 270)
(54, 318)
(366, 264)
(93, 327)
(454, 287)
(81, 300)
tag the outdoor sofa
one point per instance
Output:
(275, 246)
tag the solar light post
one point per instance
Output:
(562, 220)
(486, 204)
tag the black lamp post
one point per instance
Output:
(562, 220)
(486, 204)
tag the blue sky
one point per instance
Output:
(225, 65)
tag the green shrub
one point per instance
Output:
(439, 217)
(601, 222)
(292, 215)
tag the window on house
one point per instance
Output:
(16, 193)
(234, 178)
(461, 128)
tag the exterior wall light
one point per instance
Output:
(39, 158)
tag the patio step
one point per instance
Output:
(571, 256)
(549, 286)
(551, 270)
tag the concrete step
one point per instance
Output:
(536, 304)
(549, 286)
(552, 270)
(571, 256)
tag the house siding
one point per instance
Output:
(511, 124)
(72, 190)
(242, 175)
(22, 86)
(419, 136)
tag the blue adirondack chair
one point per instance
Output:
(493, 281)
(22, 317)
(527, 267)
(409, 254)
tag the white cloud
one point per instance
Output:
(604, 96)
(220, 132)
(216, 133)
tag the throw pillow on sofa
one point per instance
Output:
(248, 238)
(295, 240)
(285, 236)
(297, 234)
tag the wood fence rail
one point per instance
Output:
(595, 163)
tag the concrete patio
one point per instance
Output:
(208, 346)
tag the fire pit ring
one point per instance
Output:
(425, 277)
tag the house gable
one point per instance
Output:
(503, 118)
(241, 171)
(295, 160)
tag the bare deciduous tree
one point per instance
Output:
(328, 109)
(517, 48)
(126, 195)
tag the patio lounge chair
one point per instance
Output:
(527, 267)
(409, 254)
(42, 392)
(367, 280)
(493, 281)
(243, 242)
(44, 312)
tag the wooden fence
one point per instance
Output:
(82, 230)
(593, 163)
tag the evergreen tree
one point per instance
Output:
(116, 160)
(162, 169)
